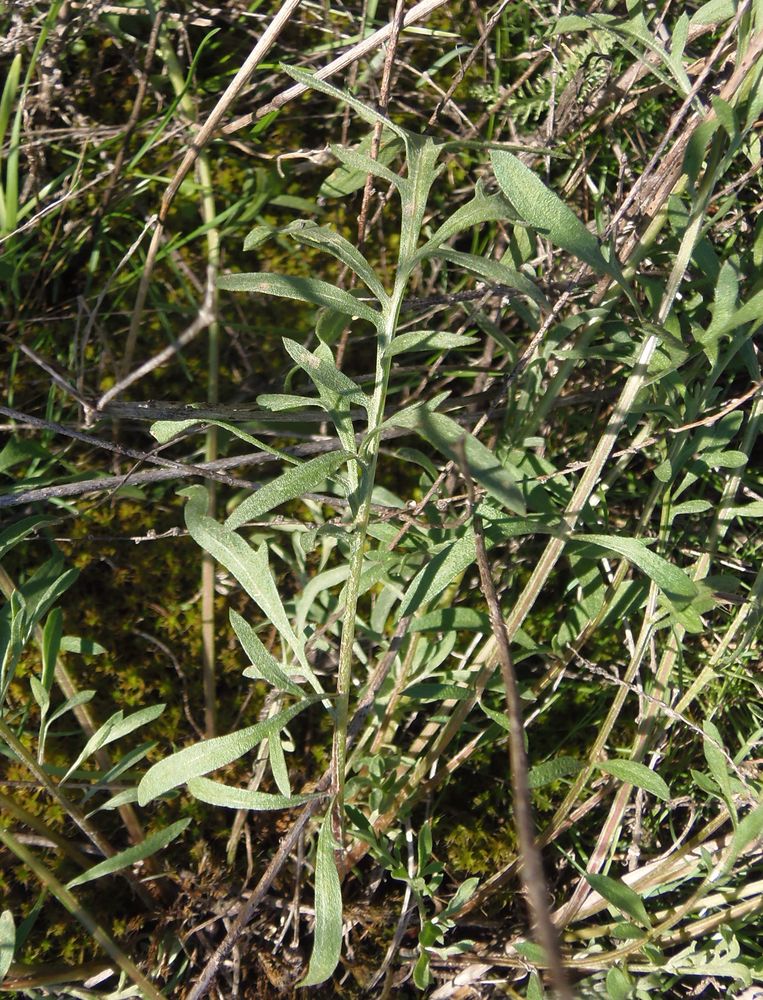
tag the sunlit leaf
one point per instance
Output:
(446, 436)
(620, 895)
(320, 293)
(228, 797)
(154, 842)
(539, 207)
(208, 755)
(7, 942)
(327, 937)
(290, 485)
(636, 774)
(674, 583)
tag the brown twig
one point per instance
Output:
(531, 866)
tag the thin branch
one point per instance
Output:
(531, 866)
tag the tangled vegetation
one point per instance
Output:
(380, 507)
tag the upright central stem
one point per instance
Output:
(369, 451)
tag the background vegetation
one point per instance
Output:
(536, 366)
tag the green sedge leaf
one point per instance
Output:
(539, 207)
(208, 755)
(290, 485)
(638, 775)
(620, 895)
(153, 843)
(227, 797)
(327, 938)
(319, 293)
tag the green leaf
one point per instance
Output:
(356, 165)
(264, 665)
(249, 566)
(552, 770)
(362, 110)
(208, 755)
(51, 644)
(80, 698)
(535, 989)
(327, 937)
(320, 293)
(114, 729)
(324, 373)
(714, 12)
(750, 829)
(278, 766)
(86, 647)
(539, 207)
(438, 572)
(636, 774)
(619, 985)
(480, 208)
(7, 942)
(445, 435)
(429, 340)
(671, 580)
(324, 238)
(716, 761)
(227, 797)
(620, 895)
(14, 533)
(290, 485)
(452, 619)
(153, 843)
(495, 271)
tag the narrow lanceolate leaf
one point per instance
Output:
(7, 942)
(208, 755)
(357, 165)
(446, 436)
(18, 531)
(153, 843)
(264, 665)
(716, 760)
(323, 238)
(325, 374)
(429, 340)
(539, 207)
(495, 271)
(480, 208)
(228, 797)
(323, 87)
(320, 293)
(671, 580)
(249, 566)
(638, 775)
(552, 770)
(327, 938)
(620, 895)
(438, 573)
(290, 485)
